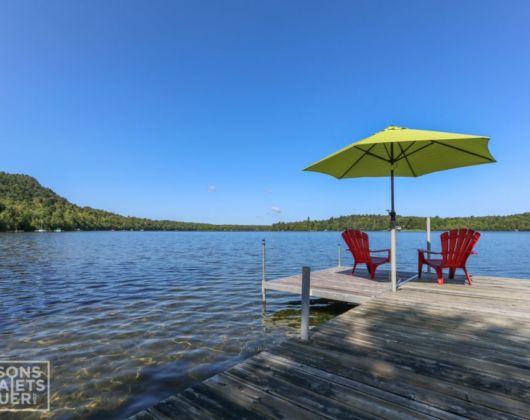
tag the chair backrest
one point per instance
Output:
(457, 245)
(358, 244)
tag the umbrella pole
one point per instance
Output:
(393, 273)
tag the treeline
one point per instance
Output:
(381, 222)
(25, 205)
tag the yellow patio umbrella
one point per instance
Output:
(398, 151)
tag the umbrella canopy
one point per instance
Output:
(405, 151)
(398, 151)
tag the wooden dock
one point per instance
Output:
(427, 351)
(337, 283)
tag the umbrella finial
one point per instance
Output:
(394, 127)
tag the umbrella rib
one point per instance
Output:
(464, 150)
(357, 161)
(387, 152)
(419, 149)
(372, 154)
(403, 152)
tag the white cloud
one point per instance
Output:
(276, 209)
(212, 188)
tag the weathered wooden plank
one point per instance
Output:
(212, 404)
(197, 402)
(322, 293)
(477, 301)
(488, 362)
(413, 312)
(341, 279)
(476, 293)
(341, 388)
(179, 407)
(498, 337)
(295, 287)
(502, 351)
(478, 283)
(435, 367)
(149, 414)
(344, 285)
(299, 394)
(501, 280)
(250, 397)
(486, 307)
(467, 298)
(451, 397)
(420, 312)
(400, 307)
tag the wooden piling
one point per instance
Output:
(428, 241)
(263, 271)
(304, 325)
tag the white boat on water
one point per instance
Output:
(58, 230)
(40, 230)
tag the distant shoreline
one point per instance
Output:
(25, 205)
(243, 231)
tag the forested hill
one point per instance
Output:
(381, 222)
(27, 205)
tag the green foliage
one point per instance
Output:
(27, 205)
(381, 222)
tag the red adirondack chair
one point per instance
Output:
(359, 247)
(457, 246)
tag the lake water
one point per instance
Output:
(128, 318)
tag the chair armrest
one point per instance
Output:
(429, 252)
(382, 250)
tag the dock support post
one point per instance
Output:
(428, 241)
(263, 272)
(393, 274)
(304, 326)
(338, 256)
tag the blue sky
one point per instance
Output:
(208, 111)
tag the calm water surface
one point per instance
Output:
(128, 318)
